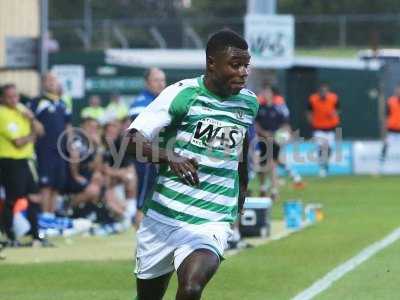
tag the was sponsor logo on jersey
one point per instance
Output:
(240, 114)
(217, 135)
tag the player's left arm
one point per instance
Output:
(243, 173)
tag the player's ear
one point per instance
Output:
(210, 63)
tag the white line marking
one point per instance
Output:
(334, 275)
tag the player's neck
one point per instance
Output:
(212, 87)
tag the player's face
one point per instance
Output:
(11, 97)
(113, 130)
(51, 84)
(323, 90)
(95, 101)
(91, 127)
(269, 96)
(115, 98)
(229, 70)
(156, 82)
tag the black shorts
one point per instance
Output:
(52, 171)
(266, 152)
(74, 187)
(18, 177)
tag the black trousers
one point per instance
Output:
(19, 179)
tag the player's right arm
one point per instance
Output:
(243, 174)
(140, 147)
(165, 110)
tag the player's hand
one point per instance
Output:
(80, 179)
(185, 168)
(95, 139)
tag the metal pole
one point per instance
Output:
(87, 21)
(107, 27)
(44, 15)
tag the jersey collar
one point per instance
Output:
(51, 96)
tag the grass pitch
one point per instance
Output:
(329, 52)
(358, 211)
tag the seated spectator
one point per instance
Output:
(94, 110)
(120, 173)
(85, 180)
(116, 109)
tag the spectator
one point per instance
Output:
(18, 131)
(94, 110)
(323, 115)
(155, 83)
(121, 175)
(116, 109)
(392, 124)
(271, 117)
(52, 112)
(146, 172)
(278, 101)
(84, 179)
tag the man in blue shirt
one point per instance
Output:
(155, 83)
(147, 172)
(53, 113)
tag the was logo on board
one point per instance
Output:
(217, 135)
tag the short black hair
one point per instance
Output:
(223, 39)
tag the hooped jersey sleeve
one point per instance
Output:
(168, 107)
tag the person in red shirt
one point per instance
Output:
(323, 116)
(392, 123)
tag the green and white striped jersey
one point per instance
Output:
(196, 123)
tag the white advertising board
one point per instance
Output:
(367, 154)
(72, 79)
(270, 39)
